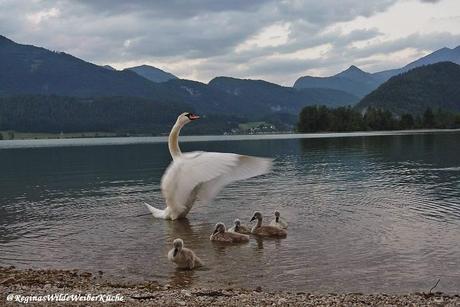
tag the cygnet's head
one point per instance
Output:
(277, 216)
(257, 216)
(178, 244)
(220, 227)
(237, 223)
(186, 117)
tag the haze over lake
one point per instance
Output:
(374, 212)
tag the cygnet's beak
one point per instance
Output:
(253, 218)
(175, 251)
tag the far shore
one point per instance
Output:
(14, 135)
(16, 286)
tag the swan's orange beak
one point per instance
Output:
(193, 116)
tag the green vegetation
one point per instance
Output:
(321, 118)
(114, 115)
(55, 114)
(432, 86)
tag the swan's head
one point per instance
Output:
(237, 223)
(220, 228)
(178, 244)
(257, 216)
(187, 117)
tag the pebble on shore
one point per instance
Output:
(42, 282)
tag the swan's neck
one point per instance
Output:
(277, 219)
(259, 223)
(173, 141)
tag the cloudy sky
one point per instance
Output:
(273, 40)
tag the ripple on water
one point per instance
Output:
(365, 214)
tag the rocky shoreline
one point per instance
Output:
(76, 288)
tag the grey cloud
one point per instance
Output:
(287, 70)
(172, 8)
(191, 29)
(327, 11)
(116, 31)
(431, 41)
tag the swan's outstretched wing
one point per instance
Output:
(206, 173)
(246, 167)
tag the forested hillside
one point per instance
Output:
(435, 86)
(109, 114)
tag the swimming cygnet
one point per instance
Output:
(266, 230)
(221, 235)
(278, 221)
(183, 257)
(237, 227)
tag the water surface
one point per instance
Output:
(376, 212)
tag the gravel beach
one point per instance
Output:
(58, 287)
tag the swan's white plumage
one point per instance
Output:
(245, 168)
(201, 175)
(160, 214)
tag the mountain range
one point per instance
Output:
(435, 86)
(35, 72)
(149, 72)
(360, 83)
(30, 70)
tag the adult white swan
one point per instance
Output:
(200, 175)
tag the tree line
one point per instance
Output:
(323, 119)
(120, 115)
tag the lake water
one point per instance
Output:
(375, 212)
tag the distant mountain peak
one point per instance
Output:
(360, 83)
(353, 72)
(152, 73)
(353, 68)
(108, 67)
(146, 66)
(5, 39)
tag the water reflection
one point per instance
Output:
(182, 278)
(381, 211)
(180, 229)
